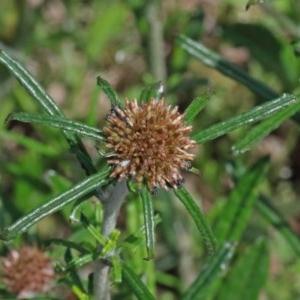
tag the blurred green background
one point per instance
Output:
(67, 44)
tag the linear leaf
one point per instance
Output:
(214, 60)
(211, 272)
(263, 129)
(29, 143)
(92, 229)
(116, 268)
(152, 91)
(73, 272)
(79, 261)
(138, 237)
(31, 85)
(149, 221)
(235, 214)
(82, 189)
(195, 212)
(274, 217)
(135, 283)
(109, 91)
(67, 244)
(248, 275)
(196, 106)
(58, 122)
(253, 115)
(48, 104)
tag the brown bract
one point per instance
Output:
(149, 143)
(27, 271)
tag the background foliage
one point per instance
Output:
(67, 44)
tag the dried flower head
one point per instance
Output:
(148, 142)
(27, 271)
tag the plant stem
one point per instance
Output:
(112, 201)
(156, 41)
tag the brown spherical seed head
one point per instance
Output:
(27, 271)
(148, 142)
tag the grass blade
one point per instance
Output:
(149, 222)
(253, 115)
(196, 106)
(137, 238)
(31, 86)
(73, 273)
(248, 275)
(214, 60)
(58, 122)
(116, 269)
(109, 91)
(273, 216)
(48, 104)
(67, 244)
(135, 284)
(92, 230)
(195, 212)
(235, 214)
(264, 128)
(82, 189)
(79, 261)
(211, 272)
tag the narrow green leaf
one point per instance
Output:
(196, 106)
(83, 157)
(58, 122)
(195, 212)
(72, 271)
(82, 260)
(92, 229)
(48, 104)
(109, 91)
(236, 212)
(263, 129)
(274, 217)
(247, 277)
(135, 284)
(82, 189)
(116, 268)
(111, 244)
(78, 262)
(253, 115)
(214, 60)
(171, 281)
(137, 238)
(152, 91)
(31, 86)
(149, 222)
(76, 209)
(68, 244)
(211, 272)
(81, 295)
(28, 142)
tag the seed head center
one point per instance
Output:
(153, 141)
